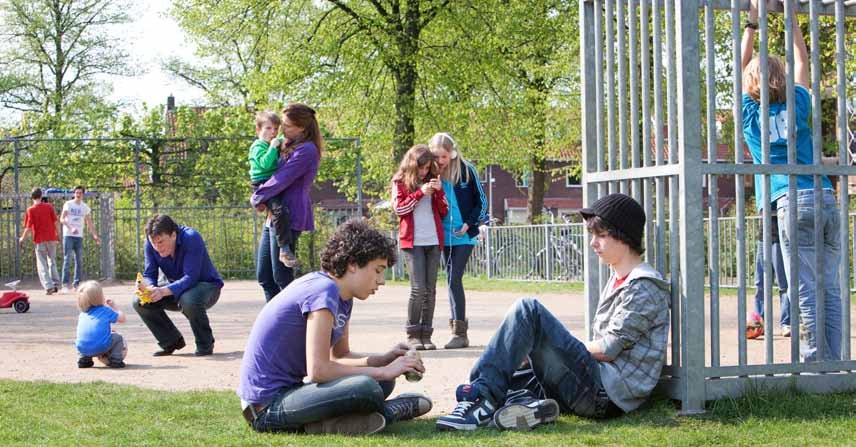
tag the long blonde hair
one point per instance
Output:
(444, 141)
(89, 295)
(777, 86)
(416, 157)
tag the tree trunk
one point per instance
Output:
(405, 101)
(537, 160)
(537, 188)
(59, 63)
(406, 78)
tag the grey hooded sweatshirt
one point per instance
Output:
(632, 326)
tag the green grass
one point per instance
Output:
(101, 414)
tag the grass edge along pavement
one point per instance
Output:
(483, 284)
(92, 414)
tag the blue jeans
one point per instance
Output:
(455, 259)
(271, 273)
(72, 245)
(292, 408)
(831, 255)
(779, 277)
(193, 303)
(564, 367)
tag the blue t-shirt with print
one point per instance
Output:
(93, 330)
(454, 220)
(275, 356)
(778, 136)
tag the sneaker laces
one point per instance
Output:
(462, 408)
(402, 408)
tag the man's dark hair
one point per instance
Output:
(80, 187)
(596, 225)
(355, 242)
(36, 194)
(160, 224)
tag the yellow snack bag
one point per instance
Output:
(143, 294)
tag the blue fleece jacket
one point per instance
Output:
(468, 203)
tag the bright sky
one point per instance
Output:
(152, 38)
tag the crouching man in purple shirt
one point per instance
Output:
(302, 333)
(193, 285)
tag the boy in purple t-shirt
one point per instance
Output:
(302, 333)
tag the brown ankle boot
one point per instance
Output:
(459, 335)
(426, 338)
(414, 337)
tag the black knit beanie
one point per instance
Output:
(620, 211)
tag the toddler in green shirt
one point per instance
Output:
(264, 160)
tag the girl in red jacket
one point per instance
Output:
(419, 202)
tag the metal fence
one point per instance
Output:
(231, 235)
(643, 129)
(196, 180)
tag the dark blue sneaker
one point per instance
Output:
(525, 412)
(473, 411)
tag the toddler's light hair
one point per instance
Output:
(89, 295)
(777, 86)
(267, 116)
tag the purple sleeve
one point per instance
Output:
(300, 161)
(150, 272)
(326, 298)
(194, 248)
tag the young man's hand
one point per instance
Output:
(158, 293)
(397, 351)
(400, 366)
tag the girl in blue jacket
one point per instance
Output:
(467, 209)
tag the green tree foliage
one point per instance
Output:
(53, 56)
(521, 81)
(499, 75)
(341, 53)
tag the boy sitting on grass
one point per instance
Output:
(611, 374)
(303, 333)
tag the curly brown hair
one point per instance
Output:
(356, 242)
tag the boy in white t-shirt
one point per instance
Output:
(74, 218)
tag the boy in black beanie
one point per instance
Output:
(611, 374)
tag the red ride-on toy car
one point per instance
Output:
(19, 300)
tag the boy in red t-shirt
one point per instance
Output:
(42, 221)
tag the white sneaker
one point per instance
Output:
(526, 413)
(65, 290)
(786, 330)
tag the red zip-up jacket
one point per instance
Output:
(404, 202)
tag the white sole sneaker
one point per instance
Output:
(526, 416)
(350, 424)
